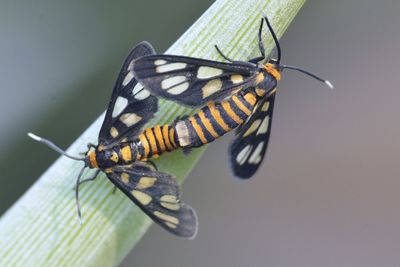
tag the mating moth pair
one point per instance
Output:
(234, 95)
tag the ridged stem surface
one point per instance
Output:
(42, 229)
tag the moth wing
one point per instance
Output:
(249, 146)
(158, 195)
(192, 81)
(130, 106)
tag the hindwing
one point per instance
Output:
(248, 148)
(158, 195)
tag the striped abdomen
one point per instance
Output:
(215, 119)
(154, 141)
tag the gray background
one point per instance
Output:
(327, 193)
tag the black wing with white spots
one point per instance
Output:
(192, 81)
(130, 106)
(250, 144)
(158, 195)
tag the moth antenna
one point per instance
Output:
(222, 54)
(53, 146)
(277, 45)
(328, 83)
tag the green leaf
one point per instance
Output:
(42, 229)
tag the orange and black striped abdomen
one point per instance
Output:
(216, 119)
(155, 141)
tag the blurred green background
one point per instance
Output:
(327, 193)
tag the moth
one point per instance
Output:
(237, 94)
(124, 149)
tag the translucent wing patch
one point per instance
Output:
(192, 81)
(158, 195)
(250, 144)
(130, 106)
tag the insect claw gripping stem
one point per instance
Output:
(90, 145)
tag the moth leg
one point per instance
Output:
(186, 150)
(222, 54)
(114, 190)
(90, 145)
(88, 179)
(260, 45)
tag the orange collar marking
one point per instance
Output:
(273, 71)
(92, 159)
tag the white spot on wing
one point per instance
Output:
(130, 66)
(179, 89)
(172, 81)
(170, 67)
(113, 132)
(255, 158)
(237, 78)
(264, 126)
(159, 62)
(127, 79)
(208, 72)
(139, 92)
(243, 155)
(142, 197)
(120, 105)
(265, 106)
(142, 94)
(137, 88)
(252, 128)
(211, 87)
(129, 119)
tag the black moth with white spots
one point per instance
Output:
(156, 193)
(124, 149)
(196, 82)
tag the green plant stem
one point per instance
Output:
(42, 229)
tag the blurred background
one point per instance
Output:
(327, 193)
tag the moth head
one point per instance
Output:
(274, 66)
(102, 159)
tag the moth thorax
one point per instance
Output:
(182, 133)
(106, 158)
(272, 70)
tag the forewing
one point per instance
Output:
(158, 195)
(192, 81)
(250, 144)
(130, 106)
